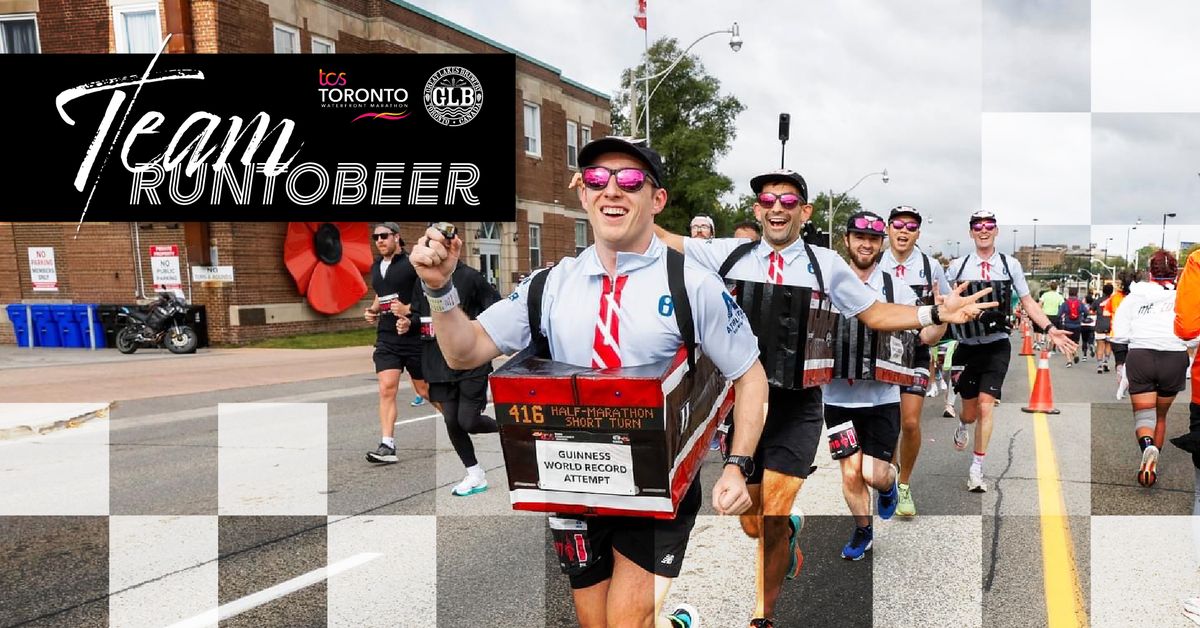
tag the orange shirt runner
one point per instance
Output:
(1187, 312)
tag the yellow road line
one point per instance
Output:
(1064, 599)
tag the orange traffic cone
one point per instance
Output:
(1027, 343)
(1042, 397)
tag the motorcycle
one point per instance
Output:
(163, 323)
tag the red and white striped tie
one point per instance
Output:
(775, 268)
(606, 345)
(986, 269)
(900, 270)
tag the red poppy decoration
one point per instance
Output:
(327, 260)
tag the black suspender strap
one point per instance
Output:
(928, 275)
(537, 285)
(737, 254)
(812, 259)
(887, 287)
(682, 305)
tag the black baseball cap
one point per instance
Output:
(780, 176)
(905, 210)
(637, 150)
(872, 220)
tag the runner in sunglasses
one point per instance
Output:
(981, 358)
(794, 422)
(909, 265)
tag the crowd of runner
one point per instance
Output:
(908, 329)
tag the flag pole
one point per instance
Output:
(646, 108)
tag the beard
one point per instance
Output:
(863, 262)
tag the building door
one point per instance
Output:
(489, 252)
(489, 267)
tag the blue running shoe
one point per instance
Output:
(860, 544)
(886, 506)
(796, 522)
(684, 616)
(417, 401)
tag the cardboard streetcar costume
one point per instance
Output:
(625, 441)
(862, 353)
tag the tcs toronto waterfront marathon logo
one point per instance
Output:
(337, 94)
(453, 96)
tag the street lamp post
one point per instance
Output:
(1163, 245)
(834, 203)
(1106, 241)
(1127, 230)
(735, 44)
(958, 249)
(1033, 258)
(1014, 242)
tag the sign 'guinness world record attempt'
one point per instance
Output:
(415, 137)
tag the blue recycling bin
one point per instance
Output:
(16, 314)
(44, 327)
(68, 328)
(81, 312)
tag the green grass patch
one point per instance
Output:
(327, 340)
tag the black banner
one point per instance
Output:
(414, 137)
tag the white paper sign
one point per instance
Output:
(41, 269)
(585, 467)
(212, 273)
(164, 268)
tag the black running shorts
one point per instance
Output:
(1162, 372)
(655, 545)
(392, 355)
(471, 389)
(791, 434)
(983, 368)
(877, 427)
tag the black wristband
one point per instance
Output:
(935, 315)
(440, 292)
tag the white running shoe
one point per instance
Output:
(685, 615)
(470, 485)
(961, 436)
(1191, 609)
(948, 412)
(975, 482)
(1148, 471)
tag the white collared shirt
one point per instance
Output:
(869, 393)
(847, 292)
(914, 270)
(648, 331)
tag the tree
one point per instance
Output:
(1188, 253)
(844, 206)
(691, 126)
(1143, 254)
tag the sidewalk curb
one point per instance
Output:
(47, 426)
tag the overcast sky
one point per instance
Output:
(967, 104)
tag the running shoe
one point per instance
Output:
(1069, 364)
(1148, 472)
(470, 485)
(684, 616)
(948, 412)
(796, 560)
(761, 622)
(906, 507)
(417, 401)
(1084, 358)
(961, 436)
(1106, 366)
(886, 501)
(975, 482)
(1191, 609)
(383, 455)
(1099, 369)
(860, 544)
(933, 390)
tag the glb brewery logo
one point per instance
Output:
(336, 93)
(453, 96)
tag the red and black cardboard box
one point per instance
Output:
(625, 441)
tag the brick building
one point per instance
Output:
(109, 262)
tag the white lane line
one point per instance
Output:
(225, 611)
(431, 416)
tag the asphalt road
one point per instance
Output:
(1063, 508)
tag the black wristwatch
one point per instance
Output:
(745, 464)
(936, 315)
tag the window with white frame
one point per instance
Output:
(18, 34)
(580, 236)
(585, 135)
(572, 143)
(137, 27)
(535, 247)
(533, 130)
(322, 46)
(287, 39)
